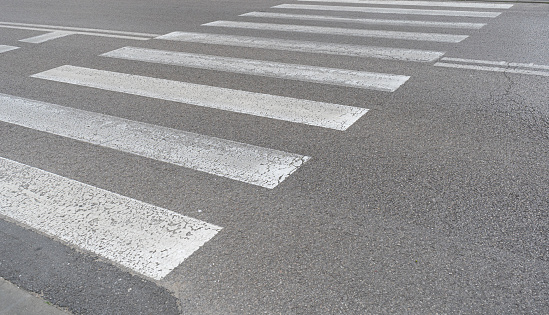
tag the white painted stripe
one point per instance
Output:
(356, 79)
(320, 114)
(492, 69)
(498, 63)
(326, 115)
(77, 33)
(46, 37)
(484, 14)
(460, 4)
(149, 240)
(79, 29)
(326, 18)
(400, 54)
(433, 37)
(5, 48)
(242, 162)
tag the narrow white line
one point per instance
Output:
(493, 69)
(400, 54)
(5, 48)
(327, 18)
(499, 63)
(80, 29)
(150, 240)
(75, 32)
(326, 115)
(238, 161)
(433, 37)
(389, 10)
(46, 37)
(356, 79)
(460, 4)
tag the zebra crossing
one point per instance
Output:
(6, 48)
(83, 215)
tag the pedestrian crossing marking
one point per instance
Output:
(494, 66)
(326, 18)
(482, 14)
(350, 78)
(238, 161)
(320, 114)
(6, 48)
(46, 37)
(433, 37)
(456, 4)
(148, 239)
(390, 53)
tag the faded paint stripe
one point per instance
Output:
(46, 37)
(432, 37)
(390, 53)
(149, 240)
(484, 14)
(79, 29)
(75, 32)
(242, 162)
(498, 63)
(492, 69)
(326, 115)
(326, 18)
(455, 4)
(356, 79)
(6, 48)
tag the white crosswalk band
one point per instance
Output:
(498, 63)
(455, 4)
(483, 14)
(357, 79)
(6, 48)
(46, 37)
(242, 162)
(434, 37)
(400, 54)
(149, 240)
(492, 69)
(326, 18)
(326, 115)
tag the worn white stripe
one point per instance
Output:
(400, 54)
(498, 63)
(326, 115)
(46, 37)
(492, 69)
(5, 48)
(485, 14)
(242, 162)
(433, 37)
(460, 4)
(75, 32)
(149, 240)
(357, 79)
(326, 18)
(80, 29)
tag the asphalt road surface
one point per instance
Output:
(276, 157)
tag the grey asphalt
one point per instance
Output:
(436, 201)
(15, 301)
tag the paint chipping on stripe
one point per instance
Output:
(356, 79)
(238, 161)
(326, 115)
(485, 14)
(400, 54)
(432, 37)
(150, 240)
